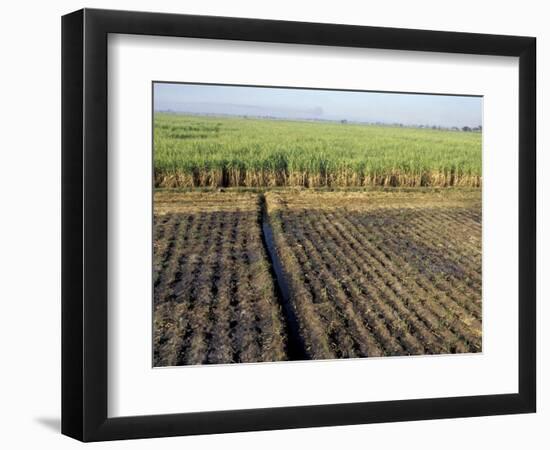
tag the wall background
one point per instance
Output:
(30, 226)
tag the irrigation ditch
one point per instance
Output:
(296, 349)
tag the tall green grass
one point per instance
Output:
(193, 151)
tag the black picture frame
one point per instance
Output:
(84, 224)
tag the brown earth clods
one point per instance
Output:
(375, 273)
(214, 298)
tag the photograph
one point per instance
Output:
(294, 224)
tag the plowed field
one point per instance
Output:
(214, 298)
(382, 274)
(376, 273)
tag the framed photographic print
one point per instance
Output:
(273, 224)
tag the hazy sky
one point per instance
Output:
(409, 109)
